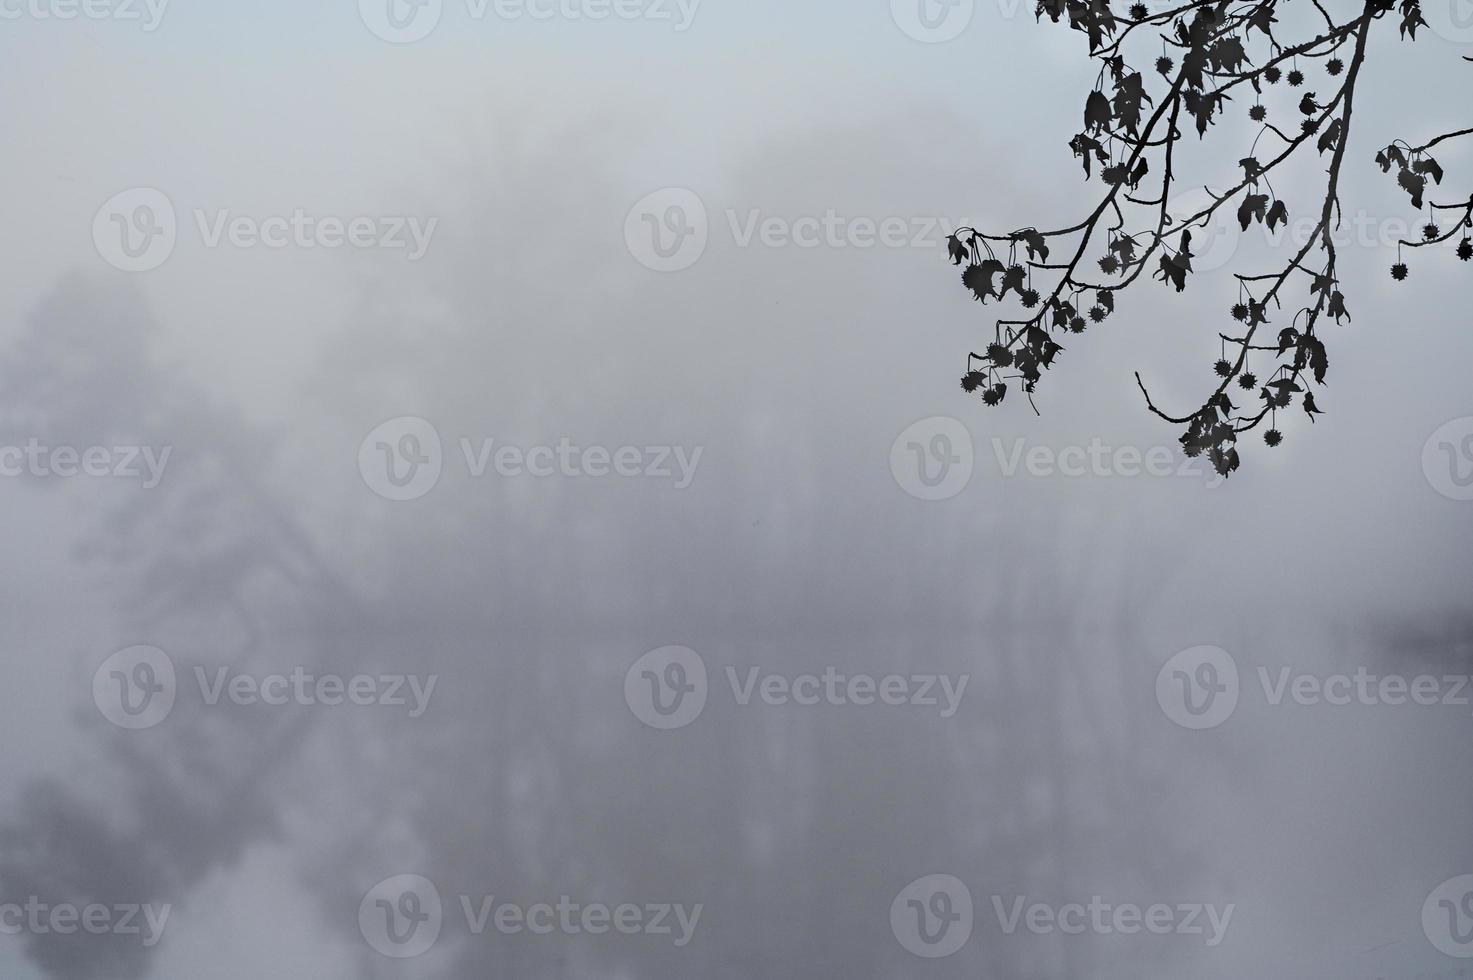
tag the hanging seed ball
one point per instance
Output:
(1272, 74)
(991, 396)
(1077, 324)
(1164, 65)
(1431, 231)
(1097, 314)
(1273, 437)
(973, 380)
(1296, 78)
(1240, 311)
(1465, 249)
(1223, 369)
(1399, 271)
(1248, 382)
(1311, 125)
(1335, 66)
(1109, 265)
(1258, 113)
(1030, 298)
(1139, 11)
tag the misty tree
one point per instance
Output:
(1162, 75)
(531, 779)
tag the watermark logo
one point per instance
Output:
(933, 21)
(135, 688)
(1447, 917)
(401, 459)
(401, 917)
(401, 21)
(933, 459)
(666, 688)
(136, 229)
(1451, 20)
(1447, 459)
(1213, 243)
(1198, 688)
(667, 231)
(932, 916)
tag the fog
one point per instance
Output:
(764, 519)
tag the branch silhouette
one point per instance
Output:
(1212, 51)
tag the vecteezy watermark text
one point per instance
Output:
(145, 463)
(408, 21)
(402, 917)
(137, 230)
(1098, 459)
(933, 917)
(150, 13)
(39, 918)
(137, 688)
(934, 459)
(1199, 688)
(403, 459)
(1104, 918)
(667, 688)
(668, 230)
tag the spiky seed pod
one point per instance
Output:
(1465, 249)
(1248, 382)
(1273, 437)
(1164, 65)
(1296, 78)
(1335, 66)
(1271, 74)
(1097, 314)
(1077, 324)
(1223, 369)
(1430, 231)
(1109, 265)
(973, 380)
(1030, 298)
(1240, 311)
(1258, 113)
(1399, 271)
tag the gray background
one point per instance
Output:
(795, 548)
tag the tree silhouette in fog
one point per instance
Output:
(532, 778)
(1216, 57)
